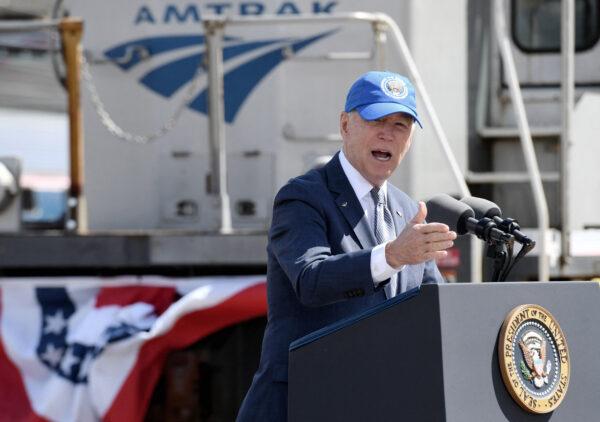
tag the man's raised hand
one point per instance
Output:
(419, 241)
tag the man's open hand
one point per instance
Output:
(419, 241)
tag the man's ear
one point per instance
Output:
(344, 119)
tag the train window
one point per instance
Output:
(536, 25)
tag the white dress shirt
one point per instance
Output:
(380, 269)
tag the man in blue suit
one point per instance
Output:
(342, 239)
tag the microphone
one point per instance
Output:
(484, 208)
(461, 219)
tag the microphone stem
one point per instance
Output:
(487, 230)
(510, 225)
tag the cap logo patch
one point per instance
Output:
(394, 87)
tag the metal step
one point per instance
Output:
(508, 177)
(489, 132)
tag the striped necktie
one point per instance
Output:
(383, 228)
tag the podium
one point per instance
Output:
(431, 354)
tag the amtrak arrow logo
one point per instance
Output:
(167, 79)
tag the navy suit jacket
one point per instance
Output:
(318, 272)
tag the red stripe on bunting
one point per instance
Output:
(14, 405)
(131, 402)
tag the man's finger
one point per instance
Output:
(440, 246)
(433, 228)
(438, 236)
(419, 217)
(435, 255)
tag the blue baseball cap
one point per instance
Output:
(376, 94)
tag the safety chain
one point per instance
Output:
(116, 130)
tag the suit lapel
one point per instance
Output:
(348, 203)
(398, 211)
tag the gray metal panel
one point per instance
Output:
(516, 199)
(182, 179)
(134, 250)
(54, 251)
(471, 319)
(209, 249)
(584, 183)
(250, 178)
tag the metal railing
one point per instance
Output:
(214, 31)
(541, 205)
(567, 101)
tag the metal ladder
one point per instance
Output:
(525, 133)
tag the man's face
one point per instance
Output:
(375, 148)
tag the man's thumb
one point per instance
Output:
(419, 217)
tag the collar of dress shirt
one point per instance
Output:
(360, 185)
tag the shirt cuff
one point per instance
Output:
(380, 269)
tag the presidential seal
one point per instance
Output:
(394, 87)
(534, 358)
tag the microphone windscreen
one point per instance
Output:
(445, 209)
(482, 207)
